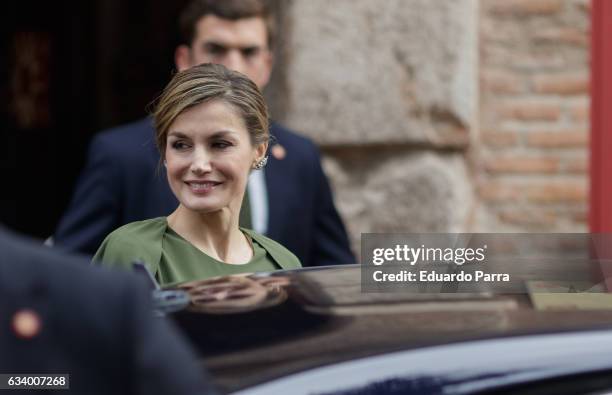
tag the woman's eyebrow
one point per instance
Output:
(222, 133)
(177, 134)
(218, 134)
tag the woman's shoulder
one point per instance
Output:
(140, 229)
(136, 241)
(285, 258)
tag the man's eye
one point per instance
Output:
(215, 50)
(250, 52)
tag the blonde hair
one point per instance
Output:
(208, 82)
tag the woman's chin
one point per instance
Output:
(207, 208)
(211, 206)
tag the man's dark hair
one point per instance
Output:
(225, 9)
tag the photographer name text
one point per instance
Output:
(422, 255)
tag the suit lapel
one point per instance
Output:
(166, 202)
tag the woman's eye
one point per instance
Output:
(179, 145)
(222, 144)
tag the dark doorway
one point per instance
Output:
(70, 69)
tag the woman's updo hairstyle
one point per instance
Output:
(208, 82)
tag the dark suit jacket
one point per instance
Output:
(97, 326)
(122, 182)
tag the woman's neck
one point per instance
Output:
(216, 234)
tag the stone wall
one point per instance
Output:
(388, 89)
(446, 115)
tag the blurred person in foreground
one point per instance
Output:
(290, 201)
(212, 131)
(60, 316)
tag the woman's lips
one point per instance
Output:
(202, 186)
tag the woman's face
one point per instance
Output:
(209, 156)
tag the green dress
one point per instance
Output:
(173, 259)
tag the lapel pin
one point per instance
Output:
(278, 152)
(26, 323)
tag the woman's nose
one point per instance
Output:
(200, 163)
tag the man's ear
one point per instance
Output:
(182, 57)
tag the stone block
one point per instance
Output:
(401, 192)
(393, 71)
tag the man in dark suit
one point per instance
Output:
(292, 203)
(60, 316)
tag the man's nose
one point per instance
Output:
(235, 61)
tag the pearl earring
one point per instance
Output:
(261, 163)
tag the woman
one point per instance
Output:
(212, 130)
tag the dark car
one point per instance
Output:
(314, 331)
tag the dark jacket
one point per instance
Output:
(122, 182)
(95, 325)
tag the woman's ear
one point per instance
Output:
(261, 158)
(261, 151)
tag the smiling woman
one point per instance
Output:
(212, 131)
(208, 157)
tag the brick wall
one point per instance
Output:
(531, 153)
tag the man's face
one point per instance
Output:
(240, 45)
